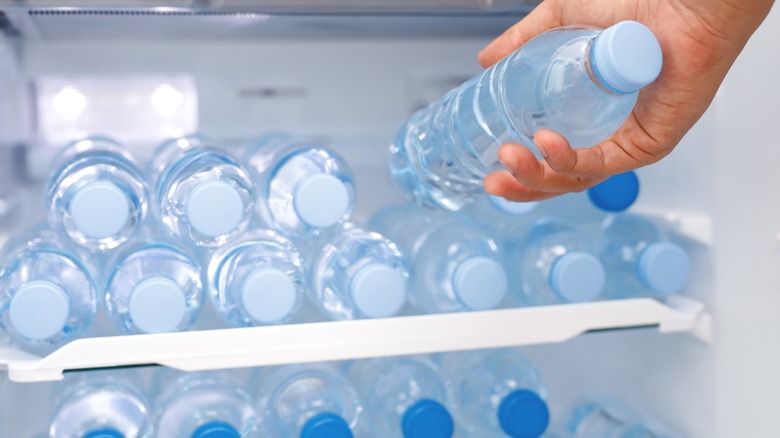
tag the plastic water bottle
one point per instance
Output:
(616, 194)
(154, 287)
(455, 266)
(100, 406)
(97, 196)
(356, 274)
(204, 197)
(494, 215)
(579, 82)
(553, 264)
(258, 279)
(306, 187)
(403, 397)
(47, 295)
(496, 393)
(306, 401)
(202, 405)
(640, 258)
(604, 416)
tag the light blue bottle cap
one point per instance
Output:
(216, 429)
(616, 193)
(104, 433)
(577, 277)
(321, 200)
(100, 209)
(480, 283)
(268, 295)
(523, 414)
(215, 208)
(664, 267)
(427, 419)
(39, 310)
(326, 425)
(157, 305)
(378, 290)
(627, 56)
(509, 207)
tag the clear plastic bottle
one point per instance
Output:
(616, 194)
(258, 279)
(100, 405)
(579, 82)
(640, 258)
(403, 397)
(496, 393)
(154, 287)
(455, 266)
(494, 215)
(305, 187)
(357, 273)
(97, 196)
(202, 405)
(306, 401)
(203, 196)
(604, 416)
(47, 295)
(553, 264)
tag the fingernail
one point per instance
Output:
(541, 148)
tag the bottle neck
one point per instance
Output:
(593, 73)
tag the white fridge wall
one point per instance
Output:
(747, 183)
(355, 96)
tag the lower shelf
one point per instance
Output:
(298, 343)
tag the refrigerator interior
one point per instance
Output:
(349, 81)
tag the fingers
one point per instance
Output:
(563, 170)
(539, 175)
(561, 158)
(502, 183)
(539, 20)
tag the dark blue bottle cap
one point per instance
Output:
(427, 419)
(104, 433)
(216, 429)
(523, 414)
(326, 425)
(616, 193)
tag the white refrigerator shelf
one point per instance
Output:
(299, 343)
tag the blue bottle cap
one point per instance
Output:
(523, 414)
(577, 277)
(268, 295)
(379, 291)
(216, 429)
(104, 433)
(480, 283)
(100, 209)
(509, 207)
(664, 267)
(326, 425)
(321, 200)
(157, 305)
(215, 208)
(627, 57)
(616, 193)
(427, 419)
(39, 310)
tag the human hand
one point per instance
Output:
(700, 40)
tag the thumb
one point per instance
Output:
(541, 19)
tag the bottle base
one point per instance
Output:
(406, 177)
